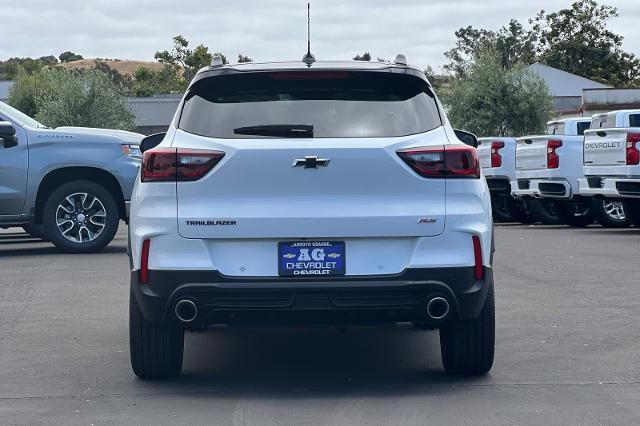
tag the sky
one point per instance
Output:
(268, 30)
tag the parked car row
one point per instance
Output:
(581, 171)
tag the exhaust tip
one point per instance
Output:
(186, 310)
(437, 308)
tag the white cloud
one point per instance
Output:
(267, 30)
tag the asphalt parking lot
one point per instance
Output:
(568, 346)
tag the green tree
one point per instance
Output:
(491, 100)
(69, 56)
(28, 88)
(85, 98)
(513, 43)
(366, 56)
(578, 41)
(123, 81)
(148, 82)
(189, 61)
(242, 58)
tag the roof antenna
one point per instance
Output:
(308, 58)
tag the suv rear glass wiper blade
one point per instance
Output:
(277, 130)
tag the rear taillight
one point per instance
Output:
(144, 262)
(633, 153)
(496, 158)
(171, 164)
(553, 159)
(450, 161)
(477, 254)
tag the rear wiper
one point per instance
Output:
(277, 130)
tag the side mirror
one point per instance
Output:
(467, 137)
(151, 141)
(7, 135)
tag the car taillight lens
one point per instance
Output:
(496, 158)
(553, 159)
(477, 254)
(449, 161)
(633, 153)
(172, 165)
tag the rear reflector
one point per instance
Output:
(171, 164)
(496, 158)
(633, 153)
(144, 262)
(553, 159)
(477, 253)
(449, 161)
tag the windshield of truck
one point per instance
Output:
(19, 117)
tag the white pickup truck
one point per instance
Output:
(612, 159)
(497, 157)
(548, 168)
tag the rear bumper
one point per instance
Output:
(342, 300)
(610, 187)
(541, 188)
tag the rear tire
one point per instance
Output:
(576, 214)
(519, 211)
(99, 214)
(611, 213)
(500, 206)
(634, 211)
(544, 211)
(156, 349)
(468, 346)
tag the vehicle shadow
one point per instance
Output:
(22, 244)
(312, 362)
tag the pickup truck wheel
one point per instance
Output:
(468, 346)
(545, 211)
(575, 214)
(500, 207)
(611, 213)
(519, 211)
(156, 349)
(80, 217)
(634, 211)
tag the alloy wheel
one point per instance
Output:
(614, 209)
(81, 217)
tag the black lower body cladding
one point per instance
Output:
(342, 300)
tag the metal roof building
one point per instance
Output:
(566, 88)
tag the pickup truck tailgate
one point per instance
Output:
(531, 152)
(605, 147)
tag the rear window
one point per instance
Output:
(556, 129)
(582, 126)
(319, 104)
(606, 121)
(634, 120)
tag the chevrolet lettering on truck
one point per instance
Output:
(351, 200)
(612, 160)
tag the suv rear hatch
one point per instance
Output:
(310, 154)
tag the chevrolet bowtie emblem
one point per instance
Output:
(310, 162)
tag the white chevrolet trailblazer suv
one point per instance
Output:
(324, 193)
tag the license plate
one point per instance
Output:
(311, 258)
